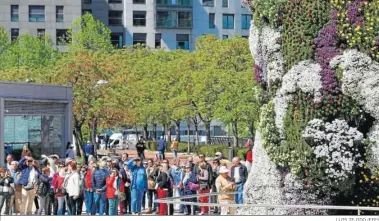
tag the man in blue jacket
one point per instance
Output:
(98, 185)
(239, 175)
(161, 148)
(28, 180)
(88, 150)
(138, 185)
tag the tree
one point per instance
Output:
(4, 40)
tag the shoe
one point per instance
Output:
(201, 214)
(187, 214)
(181, 212)
(149, 211)
(139, 213)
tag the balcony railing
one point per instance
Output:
(185, 23)
(186, 3)
(171, 23)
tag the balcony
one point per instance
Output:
(177, 3)
(173, 19)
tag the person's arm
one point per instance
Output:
(130, 164)
(44, 179)
(204, 177)
(21, 163)
(246, 174)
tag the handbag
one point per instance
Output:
(121, 196)
(193, 186)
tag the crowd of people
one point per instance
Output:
(118, 187)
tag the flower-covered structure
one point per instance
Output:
(318, 136)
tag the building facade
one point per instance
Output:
(34, 115)
(169, 24)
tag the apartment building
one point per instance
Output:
(39, 17)
(169, 24)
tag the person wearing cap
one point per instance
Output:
(224, 186)
(239, 175)
(189, 177)
(141, 147)
(221, 158)
(98, 185)
(138, 185)
(70, 152)
(15, 200)
(28, 180)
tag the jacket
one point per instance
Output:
(186, 180)
(163, 180)
(72, 185)
(204, 177)
(140, 146)
(209, 169)
(112, 187)
(88, 150)
(25, 171)
(161, 145)
(44, 185)
(223, 186)
(176, 175)
(58, 184)
(249, 156)
(99, 180)
(5, 184)
(88, 180)
(139, 177)
(243, 174)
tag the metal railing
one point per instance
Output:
(173, 200)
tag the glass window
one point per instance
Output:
(115, 18)
(158, 40)
(139, 18)
(14, 33)
(225, 37)
(184, 19)
(36, 13)
(40, 33)
(166, 19)
(87, 1)
(114, 1)
(212, 20)
(209, 3)
(139, 38)
(59, 14)
(139, 1)
(246, 21)
(182, 41)
(61, 37)
(14, 13)
(84, 11)
(228, 21)
(117, 40)
(225, 3)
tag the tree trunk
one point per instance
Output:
(136, 130)
(93, 132)
(196, 134)
(164, 131)
(207, 132)
(155, 131)
(145, 132)
(169, 132)
(189, 138)
(78, 139)
(235, 133)
(177, 130)
(251, 129)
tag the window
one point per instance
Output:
(158, 39)
(36, 13)
(115, 18)
(228, 21)
(139, 18)
(40, 33)
(212, 20)
(61, 37)
(139, 38)
(117, 40)
(14, 33)
(115, 1)
(225, 37)
(139, 1)
(87, 1)
(209, 3)
(225, 3)
(247, 37)
(84, 11)
(59, 14)
(174, 2)
(14, 13)
(246, 21)
(166, 19)
(184, 19)
(182, 41)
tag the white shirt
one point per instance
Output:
(71, 184)
(237, 175)
(32, 177)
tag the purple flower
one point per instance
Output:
(257, 73)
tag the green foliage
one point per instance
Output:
(302, 21)
(270, 135)
(4, 40)
(267, 11)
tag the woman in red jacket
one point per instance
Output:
(112, 191)
(249, 155)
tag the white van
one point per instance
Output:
(117, 141)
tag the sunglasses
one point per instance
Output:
(30, 161)
(109, 161)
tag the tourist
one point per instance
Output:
(82, 179)
(124, 159)
(188, 182)
(175, 173)
(127, 191)
(141, 147)
(203, 179)
(70, 152)
(72, 186)
(222, 159)
(88, 191)
(161, 148)
(98, 185)
(175, 148)
(59, 190)
(190, 161)
(215, 174)
(249, 155)
(28, 180)
(43, 191)
(239, 175)
(144, 163)
(88, 151)
(26, 152)
(109, 165)
(139, 184)
(164, 189)
(9, 160)
(112, 191)
(15, 201)
(180, 186)
(5, 190)
(151, 172)
(224, 186)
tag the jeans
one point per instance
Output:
(181, 206)
(60, 205)
(175, 154)
(98, 199)
(89, 200)
(161, 155)
(113, 203)
(4, 200)
(239, 196)
(79, 205)
(43, 202)
(136, 196)
(150, 196)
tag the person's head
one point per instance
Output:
(202, 157)
(115, 163)
(91, 164)
(188, 167)
(176, 139)
(14, 165)
(150, 163)
(72, 166)
(89, 142)
(183, 167)
(144, 163)
(9, 158)
(236, 161)
(114, 173)
(216, 162)
(2, 172)
(30, 162)
(62, 172)
(83, 169)
(55, 158)
(46, 171)
(141, 138)
(124, 157)
(161, 137)
(109, 162)
(190, 159)
(137, 161)
(224, 171)
(218, 155)
(249, 144)
(176, 162)
(203, 166)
